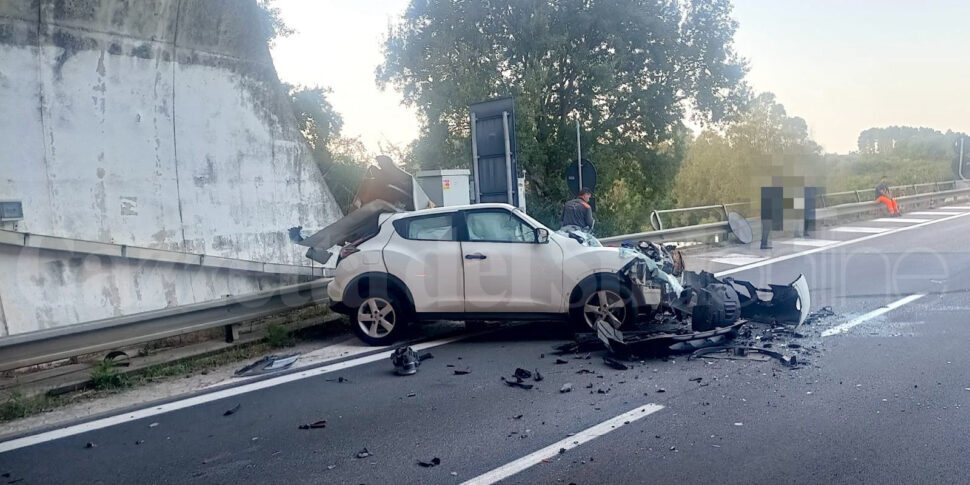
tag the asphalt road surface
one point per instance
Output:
(884, 400)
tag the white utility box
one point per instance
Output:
(445, 187)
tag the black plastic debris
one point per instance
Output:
(462, 372)
(615, 363)
(696, 379)
(537, 376)
(317, 425)
(522, 373)
(567, 387)
(648, 343)
(90, 444)
(736, 352)
(270, 363)
(516, 382)
(430, 464)
(234, 410)
(661, 390)
(363, 453)
(517, 416)
(585, 371)
(561, 361)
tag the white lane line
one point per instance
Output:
(833, 246)
(845, 327)
(901, 220)
(205, 398)
(956, 208)
(932, 213)
(808, 242)
(738, 259)
(867, 230)
(569, 443)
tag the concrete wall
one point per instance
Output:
(153, 123)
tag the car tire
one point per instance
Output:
(381, 318)
(617, 304)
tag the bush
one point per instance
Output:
(105, 375)
(279, 336)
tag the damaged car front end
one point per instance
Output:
(693, 310)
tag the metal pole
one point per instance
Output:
(476, 187)
(579, 158)
(962, 139)
(508, 156)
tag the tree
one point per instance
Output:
(342, 160)
(630, 70)
(731, 166)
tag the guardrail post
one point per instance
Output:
(858, 198)
(915, 190)
(232, 333)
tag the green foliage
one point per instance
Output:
(764, 147)
(278, 336)
(342, 161)
(18, 406)
(629, 70)
(105, 375)
(271, 22)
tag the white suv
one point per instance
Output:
(475, 262)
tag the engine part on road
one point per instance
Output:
(406, 360)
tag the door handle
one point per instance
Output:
(475, 256)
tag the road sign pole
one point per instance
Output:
(476, 187)
(579, 157)
(508, 156)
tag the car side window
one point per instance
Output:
(430, 228)
(498, 226)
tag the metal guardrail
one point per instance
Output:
(703, 232)
(821, 201)
(79, 246)
(65, 342)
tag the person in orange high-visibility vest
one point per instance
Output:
(884, 196)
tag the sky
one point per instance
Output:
(842, 65)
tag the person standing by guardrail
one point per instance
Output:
(577, 212)
(884, 196)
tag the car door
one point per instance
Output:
(425, 254)
(506, 270)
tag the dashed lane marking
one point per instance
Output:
(553, 450)
(817, 243)
(860, 229)
(845, 327)
(933, 213)
(737, 259)
(902, 220)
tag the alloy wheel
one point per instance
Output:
(376, 317)
(605, 305)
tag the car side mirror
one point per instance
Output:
(542, 235)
